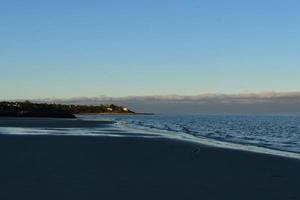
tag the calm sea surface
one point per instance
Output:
(277, 132)
(280, 132)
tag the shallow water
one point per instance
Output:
(280, 132)
(248, 132)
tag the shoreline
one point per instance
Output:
(106, 113)
(210, 142)
(11, 122)
(63, 167)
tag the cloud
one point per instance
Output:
(265, 102)
(203, 98)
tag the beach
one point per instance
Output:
(80, 167)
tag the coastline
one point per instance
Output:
(107, 113)
(79, 167)
(46, 110)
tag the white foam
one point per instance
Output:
(144, 133)
(216, 143)
(99, 132)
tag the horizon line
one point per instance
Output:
(177, 97)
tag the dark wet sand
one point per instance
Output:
(87, 168)
(51, 123)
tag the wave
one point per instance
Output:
(271, 135)
(213, 142)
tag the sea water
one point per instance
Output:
(281, 132)
(273, 134)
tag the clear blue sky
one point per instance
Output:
(69, 48)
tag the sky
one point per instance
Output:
(246, 103)
(75, 48)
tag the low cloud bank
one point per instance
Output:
(222, 98)
(266, 102)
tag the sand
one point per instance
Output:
(88, 168)
(50, 123)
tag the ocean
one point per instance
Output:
(274, 134)
(277, 132)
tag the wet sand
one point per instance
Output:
(50, 123)
(87, 168)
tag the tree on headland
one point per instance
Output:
(74, 109)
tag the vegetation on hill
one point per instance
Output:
(28, 106)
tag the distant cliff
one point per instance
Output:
(28, 109)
